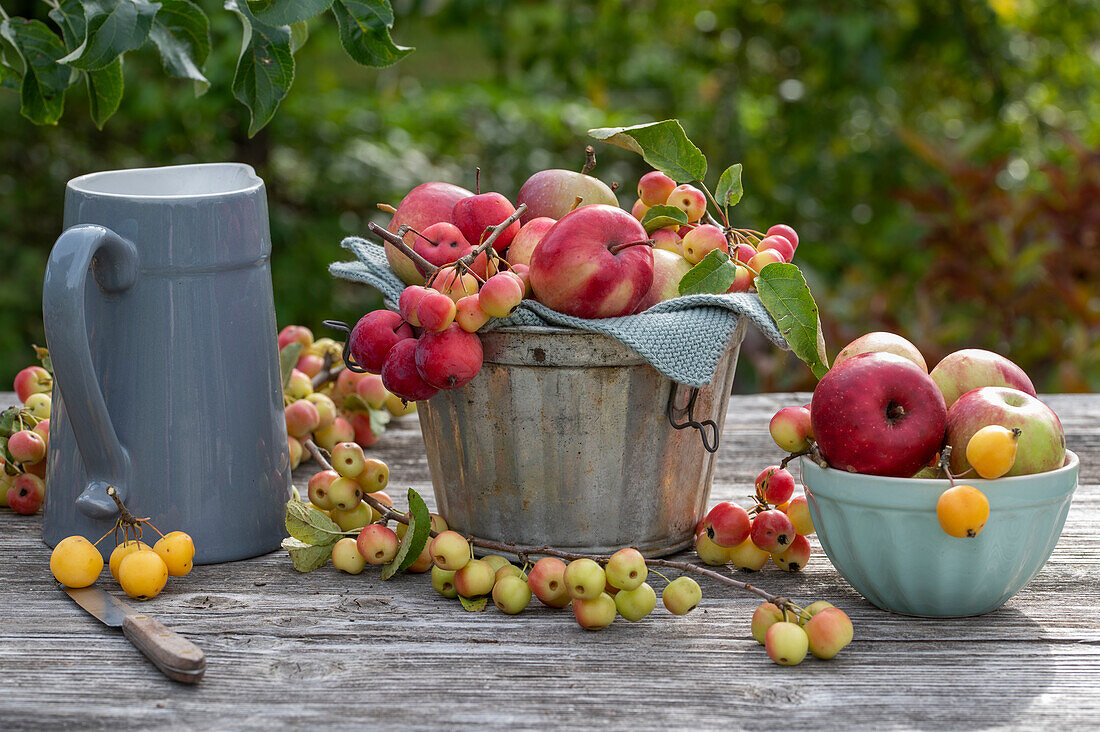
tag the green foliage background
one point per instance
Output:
(940, 159)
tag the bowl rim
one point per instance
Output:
(1071, 464)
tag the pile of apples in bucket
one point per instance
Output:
(467, 257)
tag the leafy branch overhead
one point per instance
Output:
(89, 38)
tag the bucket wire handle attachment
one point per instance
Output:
(710, 445)
(345, 351)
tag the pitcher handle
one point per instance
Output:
(114, 264)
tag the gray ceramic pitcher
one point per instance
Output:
(161, 326)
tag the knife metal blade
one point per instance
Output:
(178, 658)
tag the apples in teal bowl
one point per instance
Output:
(883, 537)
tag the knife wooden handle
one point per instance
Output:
(178, 658)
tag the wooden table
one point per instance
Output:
(305, 651)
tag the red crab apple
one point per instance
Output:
(37, 380)
(448, 359)
(442, 243)
(878, 413)
(475, 215)
(727, 524)
(527, 238)
(785, 231)
(972, 368)
(701, 241)
(289, 334)
(879, 341)
(400, 376)
(339, 431)
(427, 204)
(690, 200)
(554, 192)
(668, 269)
(1042, 443)
(668, 239)
(583, 266)
(743, 280)
(654, 188)
(547, 582)
(364, 435)
(639, 210)
(373, 337)
(780, 244)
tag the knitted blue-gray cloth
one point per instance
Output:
(683, 338)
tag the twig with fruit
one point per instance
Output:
(140, 570)
(599, 587)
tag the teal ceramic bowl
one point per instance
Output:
(883, 537)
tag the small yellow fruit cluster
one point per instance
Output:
(141, 570)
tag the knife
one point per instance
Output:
(178, 658)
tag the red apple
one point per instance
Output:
(881, 341)
(1042, 442)
(427, 204)
(442, 243)
(527, 238)
(668, 269)
(575, 271)
(878, 413)
(476, 215)
(972, 368)
(553, 192)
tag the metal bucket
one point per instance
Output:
(566, 439)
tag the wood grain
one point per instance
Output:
(325, 649)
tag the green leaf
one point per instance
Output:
(288, 359)
(364, 32)
(69, 16)
(265, 69)
(112, 27)
(181, 33)
(729, 186)
(379, 418)
(287, 12)
(307, 524)
(307, 557)
(713, 275)
(42, 89)
(420, 523)
(5, 453)
(8, 420)
(355, 403)
(9, 77)
(664, 145)
(299, 34)
(786, 296)
(43, 356)
(474, 605)
(658, 217)
(104, 91)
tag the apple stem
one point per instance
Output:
(619, 247)
(589, 159)
(386, 207)
(576, 204)
(477, 180)
(330, 369)
(523, 552)
(398, 241)
(811, 450)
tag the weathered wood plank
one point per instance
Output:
(292, 650)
